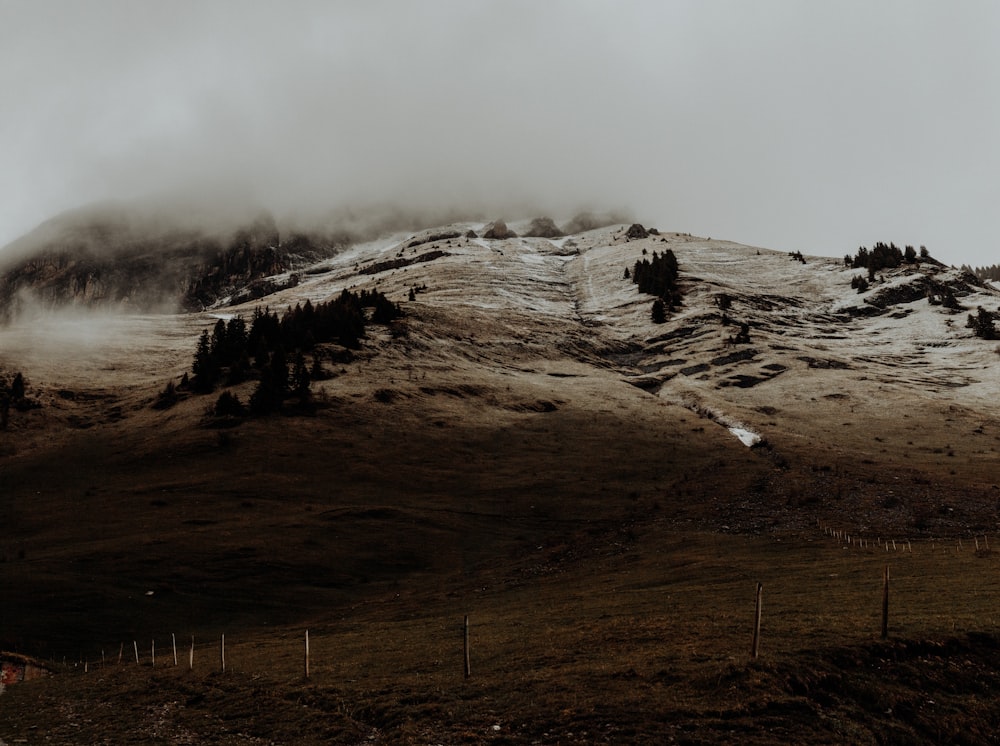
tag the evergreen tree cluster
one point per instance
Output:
(982, 324)
(884, 256)
(986, 274)
(658, 276)
(272, 349)
(942, 295)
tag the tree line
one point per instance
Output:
(986, 274)
(272, 349)
(884, 256)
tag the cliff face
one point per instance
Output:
(117, 263)
(252, 253)
(60, 278)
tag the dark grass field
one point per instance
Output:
(605, 544)
(643, 642)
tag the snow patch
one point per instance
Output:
(744, 434)
(747, 437)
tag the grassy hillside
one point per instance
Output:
(526, 448)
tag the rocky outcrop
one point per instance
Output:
(253, 253)
(498, 230)
(636, 231)
(432, 237)
(544, 228)
(588, 221)
(939, 286)
(64, 278)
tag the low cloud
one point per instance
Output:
(811, 129)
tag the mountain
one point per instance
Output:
(598, 492)
(142, 258)
(125, 258)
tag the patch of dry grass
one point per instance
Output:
(637, 645)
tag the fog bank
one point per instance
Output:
(795, 126)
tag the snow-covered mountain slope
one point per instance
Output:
(815, 343)
(819, 353)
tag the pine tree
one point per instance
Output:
(982, 324)
(229, 405)
(219, 344)
(270, 391)
(659, 312)
(17, 387)
(300, 377)
(204, 368)
(316, 372)
(236, 338)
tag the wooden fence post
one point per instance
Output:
(191, 655)
(307, 654)
(173, 642)
(885, 602)
(465, 636)
(222, 652)
(121, 651)
(135, 647)
(152, 654)
(755, 646)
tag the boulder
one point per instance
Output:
(636, 231)
(498, 229)
(544, 228)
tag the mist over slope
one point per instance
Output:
(117, 258)
(186, 255)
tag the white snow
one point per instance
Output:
(747, 437)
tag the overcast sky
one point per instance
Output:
(812, 126)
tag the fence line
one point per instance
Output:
(878, 545)
(886, 545)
